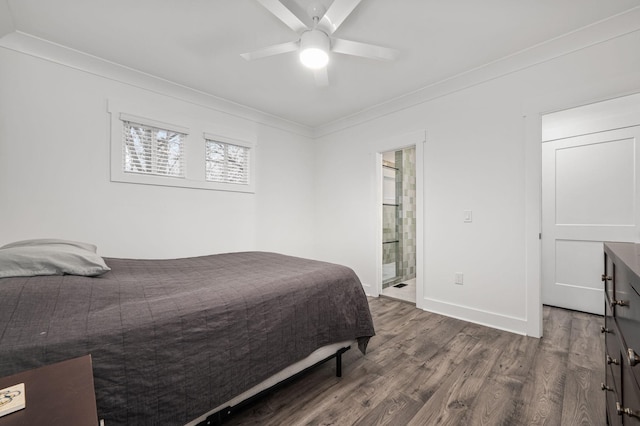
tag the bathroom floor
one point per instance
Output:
(406, 293)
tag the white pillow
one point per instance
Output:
(50, 257)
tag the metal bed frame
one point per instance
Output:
(219, 417)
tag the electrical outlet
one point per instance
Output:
(458, 278)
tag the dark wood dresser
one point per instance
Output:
(622, 332)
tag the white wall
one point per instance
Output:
(314, 198)
(6, 22)
(285, 209)
(54, 171)
(481, 154)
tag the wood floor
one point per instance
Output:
(427, 369)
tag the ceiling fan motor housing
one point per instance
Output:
(314, 49)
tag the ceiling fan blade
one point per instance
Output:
(322, 77)
(276, 49)
(285, 15)
(336, 14)
(364, 50)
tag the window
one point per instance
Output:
(226, 163)
(151, 150)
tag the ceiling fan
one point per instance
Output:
(315, 43)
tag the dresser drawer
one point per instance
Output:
(608, 307)
(608, 277)
(612, 396)
(612, 337)
(621, 290)
(613, 418)
(630, 400)
(614, 360)
(626, 307)
(608, 314)
(613, 374)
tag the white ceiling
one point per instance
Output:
(197, 43)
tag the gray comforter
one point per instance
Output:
(172, 339)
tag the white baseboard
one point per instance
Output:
(477, 316)
(369, 290)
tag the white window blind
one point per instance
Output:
(152, 150)
(227, 163)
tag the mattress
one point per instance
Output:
(173, 339)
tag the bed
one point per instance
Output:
(174, 339)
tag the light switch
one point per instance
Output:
(468, 216)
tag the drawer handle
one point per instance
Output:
(615, 302)
(632, 357)
(612, 360)
(628, 411)
(605, 387)
(603, 329)
(606, 277)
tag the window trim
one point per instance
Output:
(153, 123)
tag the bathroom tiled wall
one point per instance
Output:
(399, 223)
(407, 216)
(389, 233)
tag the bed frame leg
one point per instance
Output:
(339, 353)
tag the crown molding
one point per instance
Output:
(596, 33)
(37, 47)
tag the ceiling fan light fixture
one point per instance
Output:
(314, 49)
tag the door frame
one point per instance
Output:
(533, 110)
(417, 140)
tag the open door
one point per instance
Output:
(589, 195)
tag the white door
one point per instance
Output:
(589, 195)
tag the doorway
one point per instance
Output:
(399, 224)
(590, 181)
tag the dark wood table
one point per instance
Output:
(57, 394)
